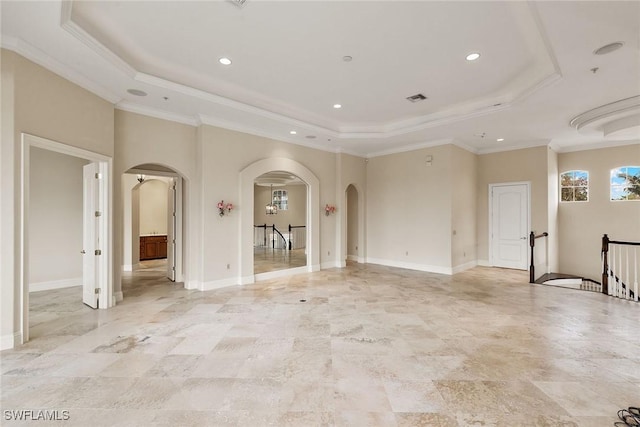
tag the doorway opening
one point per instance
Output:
(65, 240)
(153, 229)
(353, 232)
(280, 222)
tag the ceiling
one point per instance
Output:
(533, 84)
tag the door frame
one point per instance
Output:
(105, 164)
(179, 232)
(505, 184)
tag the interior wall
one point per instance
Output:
(143, 140)
(553, 240)
(352, 223)
(55, 219)
(463, 208)
(226, 153)
(583, 224)
(409, 209)
(296, 214)
(527, 164)
(153, 206)
(46, 105)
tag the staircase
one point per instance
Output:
(569, 281)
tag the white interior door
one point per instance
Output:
(171, 230)
(90, 264)
(509, 225)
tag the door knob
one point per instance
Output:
(523, 238)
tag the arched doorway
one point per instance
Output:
(353, 237)
(248, 177)
(280, 222)
(153, 225)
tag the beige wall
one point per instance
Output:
(409, 209)
(581, 225)
(296, 214)
(55, 218)
(51, 107)
(153, 206)
(529, 164)
(463, 208)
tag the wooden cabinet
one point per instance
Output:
(153, 247)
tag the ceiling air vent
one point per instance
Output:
(238, 3)
(416, 98)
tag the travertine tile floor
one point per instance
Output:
(266, 259)
(370, 345)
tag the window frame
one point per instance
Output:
(616, 171)
(574, 187)
(283, 197)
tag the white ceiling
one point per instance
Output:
(533, 77)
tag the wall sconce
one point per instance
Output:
(224, 208)
(329, 209)
(141, 178)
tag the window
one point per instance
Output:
(280, 199)
(574, 186)
(625, 183)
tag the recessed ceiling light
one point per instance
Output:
(293, 132)
(224, 61)
(310, 137)
(137, 92)
(473, 56)
(336, 106)
(608, 48)
(347, 58)
(500, 139)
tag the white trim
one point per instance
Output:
(463, 267)
(10, 341)
(484, 263)
(331, 264)
(156, 113)
(127, 267)
(217, 284)
(355, 258)
(247, 280)
(118, 296)
(411, 266)
(490, 237)
(192, 284)
(281, 273)
(105, 234)
(500, 149)
(590, 146)
(55, 284)
(412, 147)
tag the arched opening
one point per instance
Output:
(152, 249)
(352, 224)
(353, 244)
(280, 222)
(248, 177)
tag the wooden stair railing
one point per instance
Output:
(532, 244)
(620, 273)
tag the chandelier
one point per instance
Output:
(271, 209)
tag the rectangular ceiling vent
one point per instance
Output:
(416, 98)
(238, 3)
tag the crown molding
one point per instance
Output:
(158, 114)
(411, 147)
(500, 149)
(39, 57)
(600, 145)
(604, 113)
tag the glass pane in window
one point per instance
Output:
(581, 178)
(581, 194)
(567, 194)
(566, 179)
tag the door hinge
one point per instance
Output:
(98, 175)
(98, 252)
(98, 213)
(97, 291)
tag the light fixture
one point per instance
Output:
(473, 56)
(137, 92)
(271, 209)
(608, 48)
(224, 61)
(141, 178)
(224, 208)
(500, 139)
(293, 132)
(337, 106)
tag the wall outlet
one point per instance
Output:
(356, 248)
(228, 266)
(407, 253)
(329, 253)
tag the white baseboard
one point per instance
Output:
(217, 284)
(118, 296)
(127, 267)
(483, 263)
(55, 284)
(356, 258)
(466, 266)
(192, 284)
(281, 273)
(247, 280)
(10, 341)
(411, 266)
(331, 264)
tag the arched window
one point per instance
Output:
(280, 199)
(625, 183)
(574, 186)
